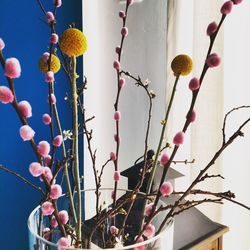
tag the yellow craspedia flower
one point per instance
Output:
(182, 65)
(54, 66)
(73, 42)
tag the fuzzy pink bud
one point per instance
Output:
(140, 240)
(226, 8)
(53, 222)
(12, 68)
(237, 1)
(58, 3)
(149, 208)
(47, 160)
(46, 119)
(117, 65)
(54, 38)
(35, 169)
(6, 95)
(45, 56)
(117, 176)
(46, 233)
(50, 16)
(2, 44)
(194, 84)
(212, 28)
(122, 82)
(63, 243)
(193, 116)
(114, 230)
(149, 231)
(130, 2)
(25, 108)
(117, 116)
(57, 141)
(124, 31)
(164, 159)
(122, 14)
(118, 50)
(52, 99)
(43, 148)
(117, 138)
(113, 156)
(55, 191)
(47, 174)
(166, 188)
(179, 138)
(47, 208)
(26, 132)
(213, 60)
(49, 76)
(64, 217)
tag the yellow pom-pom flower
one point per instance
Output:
(73, 42)
(182, 65)
(54, 66)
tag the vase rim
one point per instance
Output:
(146, 242)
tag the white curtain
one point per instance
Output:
(223, 88)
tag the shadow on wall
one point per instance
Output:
(26, 35)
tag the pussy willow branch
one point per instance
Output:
(144, 170)
(116, 105)
(236, 134)
(193, 101)
(23, 179)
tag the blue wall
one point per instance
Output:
(26, 37)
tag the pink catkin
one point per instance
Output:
(237, 1)
(212, 28)
(54, 38)
(43, 148)
(117, 176)
(117, 138)
(117, 116)
(117, 65)
(193, 116)
(6, 95)
(12, 68)
(194, 84)
(45, 56)
(64, 217)
(57, 141)
(149, 231)
(55, 191)
(53, 222)
(118, 50)
(46, 233)
(47, 160)
(122, 82)
(52, 99)
(113, 156)
(26, 132)
(49, 77)
(124, 31)
(58, 3)
(63, 243)
(178, 138)
(149, 208)
(47, 208)
(25, 108)
(226, 8)
(114, 230)
(164, 159)
(122, 14)
(46, 119)
(2, 44)
(35, 169)
(213, 60)
(166, 188)
(50, 16)
(47, 174)
(140, 240)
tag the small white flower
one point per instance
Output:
(146, 82)
(67, 134)
(119, 242)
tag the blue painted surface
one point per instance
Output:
(26, 36)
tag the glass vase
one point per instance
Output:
(162, 241)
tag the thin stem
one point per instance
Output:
(75, 152)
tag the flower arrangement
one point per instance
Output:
(67, 227)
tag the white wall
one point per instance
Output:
(144, 55)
